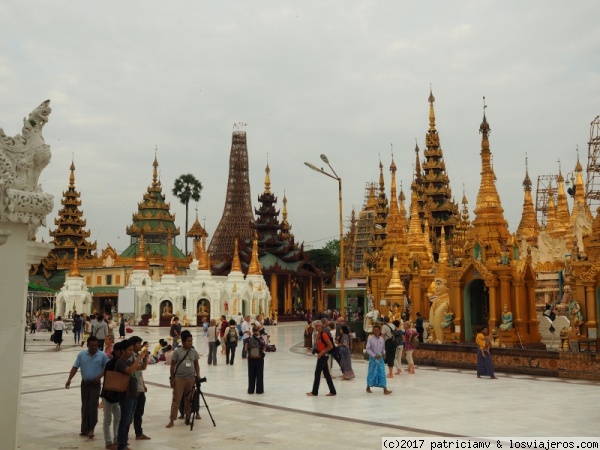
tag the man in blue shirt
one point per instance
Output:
(92, 362)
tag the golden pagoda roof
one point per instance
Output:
(395, 289)
(254, 267)
(529, 226)
(236, 265)
(141, 263)
(197, 230)
(267, 179)
(489, 226)
(74, 272)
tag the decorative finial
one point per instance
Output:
(431, 98)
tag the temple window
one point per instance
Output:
(108, 280)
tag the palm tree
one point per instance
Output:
(187, 188)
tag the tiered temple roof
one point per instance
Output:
(435, 196)
(155, 222)
(69, 235)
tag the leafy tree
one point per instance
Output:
(334, 248)
(327, 259)
(186, 188)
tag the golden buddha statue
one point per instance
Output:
(167, 310)
(440, 301)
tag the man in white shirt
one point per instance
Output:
(246, 333)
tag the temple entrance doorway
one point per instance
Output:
(203, 314)
(244, 308)
(148, 309)
(476, 307)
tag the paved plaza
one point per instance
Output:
(434, 402)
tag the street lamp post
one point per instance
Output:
(339, 180)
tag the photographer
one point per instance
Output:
(255, 347)
(184, 371)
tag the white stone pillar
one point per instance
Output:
(23, 208)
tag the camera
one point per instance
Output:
(202, 380)
(315, 351)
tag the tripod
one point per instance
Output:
(196, 394)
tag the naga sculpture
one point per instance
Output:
(22, 159)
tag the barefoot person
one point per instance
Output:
(485, 366)
(376, 372)
(92, 363)
(323, 345)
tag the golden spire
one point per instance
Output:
(155, 180)
(562, 210)
(72, 176)
(381, 182)
(402, 199)
(551, 217)
(254, 268)
(442, 270)
(285, 226)
(416, 244)
(395, 289)
(169, 263)
(267, 179)
(393, 218)
(528, 227)
(372, 201)
(427, 239)
(74, 272)
(489, 227)
(204, 260)
(417, 163)
(431, 111)
(236, 265)
(579, 194)
(140, 262)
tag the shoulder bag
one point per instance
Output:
(116, 381)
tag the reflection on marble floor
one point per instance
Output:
(432, 402)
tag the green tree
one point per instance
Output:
(334, 248)
(186, 188)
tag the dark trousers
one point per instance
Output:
(244, 351)
(230, 353)
(139, 413)
(90, 395)
(101, 345)
(127, 409)
(256, 369)
(322, 369)
(421, 331)
(77, 335)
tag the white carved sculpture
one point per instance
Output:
(582, 226)
(22, 159)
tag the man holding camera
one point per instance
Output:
(139, 352)
(184, 372)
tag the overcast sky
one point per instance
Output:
(343, 78)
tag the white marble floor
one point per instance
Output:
(434, 402)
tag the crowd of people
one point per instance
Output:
(131, 357)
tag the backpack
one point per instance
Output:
(232, 335)
(393, 337)
(254, 348)
(334, 348)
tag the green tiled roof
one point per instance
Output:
(105, 289)
(161, 249)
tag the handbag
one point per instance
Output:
(116, 381)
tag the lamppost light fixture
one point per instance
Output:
(312, 166)
(324, 158)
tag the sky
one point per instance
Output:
(349, 79)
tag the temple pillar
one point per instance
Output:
(288, 294)
(534, 331)
(589, 310)
(455, 301)
(320, 295)
(520, 310)
(493, 290)
(274, 295)
(504, 292)
(309, 297)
